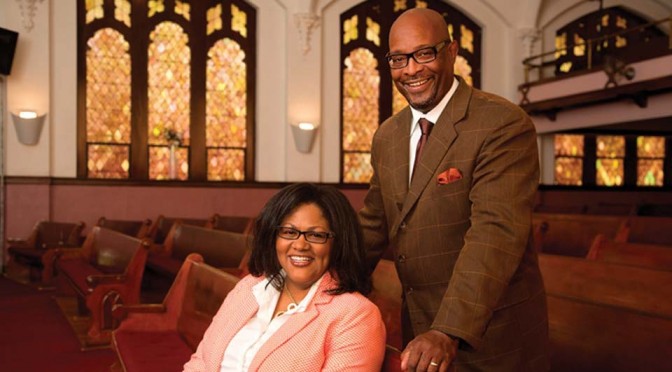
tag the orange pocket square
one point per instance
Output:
(448, 176)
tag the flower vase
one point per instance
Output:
(172, 162)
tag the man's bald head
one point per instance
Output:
(422, 33)
(424, 18)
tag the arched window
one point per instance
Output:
(166, 89)
(584, 43)
(368, 95)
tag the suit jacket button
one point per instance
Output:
(401, 258)
(409, 290)
(403, 225)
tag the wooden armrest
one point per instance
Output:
(95, 280)
(121, 311)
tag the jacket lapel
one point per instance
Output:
(398, 155)
(296, 323)
(233, 324)
(442, 137)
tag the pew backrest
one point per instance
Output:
(138, 229)
(648, 230)
(218, 248)
(606, 284)
(573, 234)
(159, 230)
(205, 291)
(652, 256)
(110, 251)
(607, 317)
(238, 224)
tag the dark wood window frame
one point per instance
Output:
(630, 132)
(138, 39)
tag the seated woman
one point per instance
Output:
(303, 306)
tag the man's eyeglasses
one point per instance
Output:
(291, 233)
(424, 55)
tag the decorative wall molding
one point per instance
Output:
(306, 23)
(28, 9)
(529, 36)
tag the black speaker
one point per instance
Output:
(7, 48)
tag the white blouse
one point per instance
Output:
(246, 343)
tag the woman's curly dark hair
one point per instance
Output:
(347, 263)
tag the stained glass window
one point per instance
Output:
(108, 107)
(650, 160)
(609, 164)
(122, 11)
(611, 160)
(361, 80)
(372, 31)
(644, 43)
(108, 161)
(226, 114)
(238, 20)
(214, 18)
(168, 95)
(560, 44)
(182, 8)
(368, 93)
(145, 115)
(94, 10)
(398, 100)
(569, 151)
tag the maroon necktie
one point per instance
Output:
(425, 128)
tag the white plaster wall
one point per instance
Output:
(28, 88)
(303, 92)
(271, 105)
(63, 92)
(502, 49)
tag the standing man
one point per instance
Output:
(459, 220)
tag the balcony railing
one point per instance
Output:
(536, 66)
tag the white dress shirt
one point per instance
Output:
(432, 116)
(246, 343)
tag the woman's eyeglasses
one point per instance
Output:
(291, 233)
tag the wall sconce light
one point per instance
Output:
(304, 135)
(28, 126)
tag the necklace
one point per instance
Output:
(292, 305)
(290, 297)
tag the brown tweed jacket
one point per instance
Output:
(462, 246)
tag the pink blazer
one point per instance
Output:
(335, 333)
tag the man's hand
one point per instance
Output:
(430, 351)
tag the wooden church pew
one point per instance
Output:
(162, 337)
(650, 256)
(572, 234)
(607, 317)
(647, 230)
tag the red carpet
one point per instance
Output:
(35, 336)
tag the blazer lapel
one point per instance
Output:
(233, 324)
(296, 323)
(398, 155)
(442, 137)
